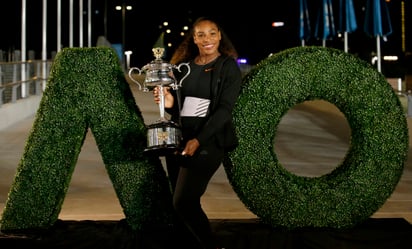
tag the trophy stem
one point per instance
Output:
(162, 103)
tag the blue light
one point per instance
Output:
(242, 61)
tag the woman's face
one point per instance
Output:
(207, 37)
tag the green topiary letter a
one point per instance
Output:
(86, 89)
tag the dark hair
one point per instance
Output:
(188, 50)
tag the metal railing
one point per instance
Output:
(19, 79)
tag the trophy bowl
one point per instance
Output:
(158, 74)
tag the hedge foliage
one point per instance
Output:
(86, 90)
(370, 170)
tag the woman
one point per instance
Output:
(203, 107)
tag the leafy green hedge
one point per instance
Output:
(369, 172)
(86, 89)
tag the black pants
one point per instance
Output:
(189, 178)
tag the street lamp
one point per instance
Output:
(124, 7)
(128, 54)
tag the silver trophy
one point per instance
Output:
(164, 135)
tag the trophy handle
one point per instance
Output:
(184, 77)
(131, 70)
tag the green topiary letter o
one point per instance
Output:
(370, 170)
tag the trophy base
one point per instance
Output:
(161, 150)
(163, 137)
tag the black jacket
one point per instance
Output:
(226, 83)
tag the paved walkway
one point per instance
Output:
(91, 195)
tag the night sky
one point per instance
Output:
(248, 25)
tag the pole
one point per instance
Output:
(123, 32)
(59, 26)
(44, 45)
(81, 23)
(23, 48)
(89, 23)
(346, 41)
(71, 24)
(378, 52)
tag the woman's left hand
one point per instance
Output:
(191, 146)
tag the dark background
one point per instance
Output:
(247, 24)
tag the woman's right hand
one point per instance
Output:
(168, 97)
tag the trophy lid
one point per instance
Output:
(158, 63)
(158, 54)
